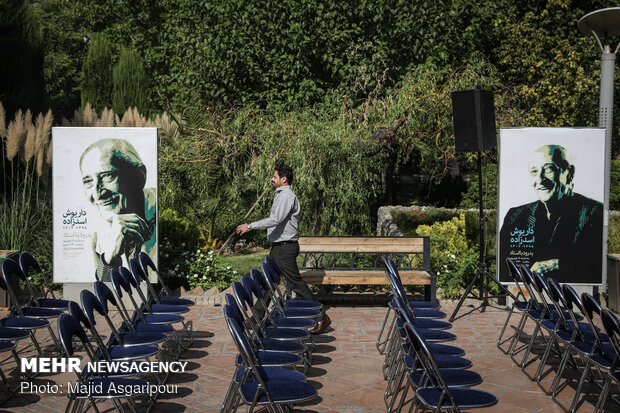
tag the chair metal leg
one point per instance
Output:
(501, 334)
(382, 344)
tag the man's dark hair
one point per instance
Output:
(285, 171)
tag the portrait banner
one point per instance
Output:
(104, 200)
(550, 202)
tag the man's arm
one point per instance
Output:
(280, 209)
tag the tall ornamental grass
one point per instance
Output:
(25, 210)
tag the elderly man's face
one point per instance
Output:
(101, 183)
(549, 180)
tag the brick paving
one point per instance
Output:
(346, 367)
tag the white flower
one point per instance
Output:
(204, 277)
(228, 268)
(438, 273)
(195, 275)
(211, 252)
(453, 256)
(197, 251)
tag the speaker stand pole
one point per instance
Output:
(482, 273)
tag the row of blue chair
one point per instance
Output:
(567, 325)
(271, 334)
(147, 332)
(417, 358)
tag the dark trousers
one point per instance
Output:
(285, 255)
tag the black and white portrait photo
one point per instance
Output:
(551, 191)
(105, 200)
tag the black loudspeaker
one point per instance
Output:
(474, 120)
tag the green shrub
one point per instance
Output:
(614, 234)
(207, 271)
(408, 221)
(453, 259)
(178, 238)
(614, 186)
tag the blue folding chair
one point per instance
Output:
(27, 263)
(431, 387)
(257, 389)
(29, 319)
(269, 359)
(155, 308)
(165, 295)
(103, 388)
(612, 328)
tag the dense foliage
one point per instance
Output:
(353, 94)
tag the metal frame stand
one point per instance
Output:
(482, 273)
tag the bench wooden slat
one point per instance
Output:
(370, 277)
(362, 244)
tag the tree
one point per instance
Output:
(131, 83)
(96, 81)
(21, 61)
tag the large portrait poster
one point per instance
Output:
(551, 193)
(105, 200)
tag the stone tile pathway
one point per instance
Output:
(346, 367)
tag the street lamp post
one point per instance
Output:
(603, 24)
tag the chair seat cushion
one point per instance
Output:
(452, 377)
(274, 373)
(464, 398)
(143, 338)
(286, 333)
(167, 300)
(436, 335)
(302, 304)
(443, 361)
(131, 353)
(24, 323)
(281, 392)
(40, 312)
(9, 334)
(153, 328)
(292, 322)
(163, 318)
(168, 309)
(53, 303)
(436, 348)
(270, 344)
(274, 358)
(301, 313)
(110, 388)
(7, 345)
(430, 323)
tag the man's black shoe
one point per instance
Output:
(321, 325)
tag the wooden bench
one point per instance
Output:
(357, 260)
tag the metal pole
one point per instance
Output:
(606, 111)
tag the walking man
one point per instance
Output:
(282, 232)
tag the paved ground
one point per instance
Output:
(346, 367)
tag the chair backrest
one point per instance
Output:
(139, 276)
(560, 304)
(69, 327)
(591, 307)
(430, 367)
(612, 329)
(10, 269)
(76, 311)
(90, 304)
(528, 282)
(118, 283)
(542, 288)
(275, 269)
(247, 354)
(27, 261)
(270, 275)
(261, 281)
(514, 272)
(105, 295)
(125, 280)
